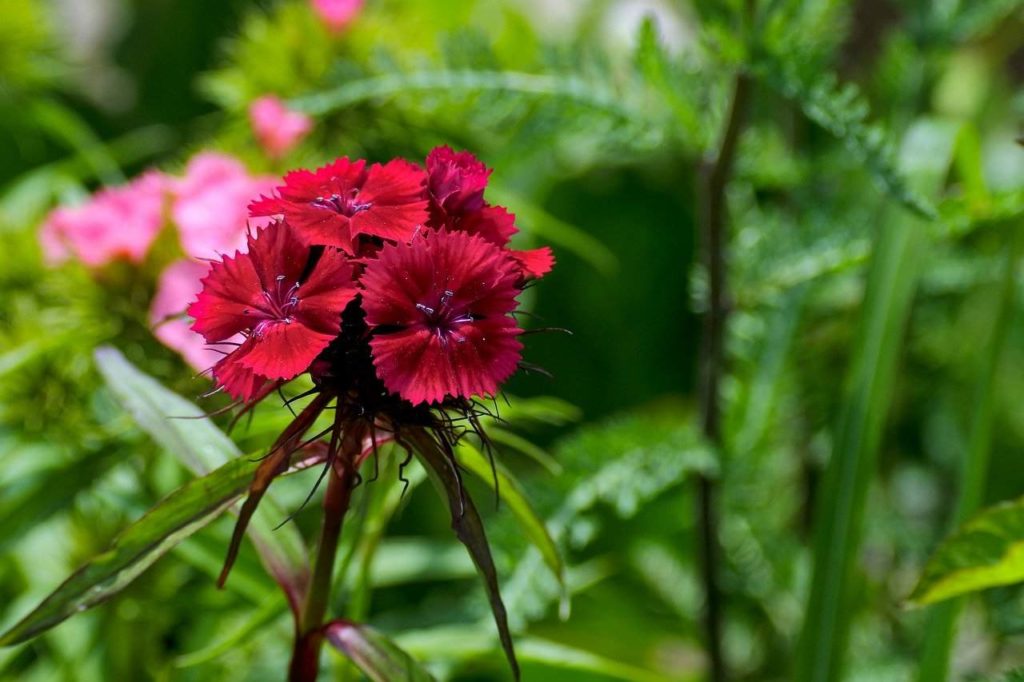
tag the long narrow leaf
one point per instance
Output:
(942, 623)
(892, 278)
(511, 493)
(177, 516)
(376, 655)
(186, 432)
(469, 528)
(183, 512)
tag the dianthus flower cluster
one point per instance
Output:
(384, 281)
(394, 287)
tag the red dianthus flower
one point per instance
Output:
(287, 315)
(456, 184)
(439, 307)
(335, 204)
(456, 181)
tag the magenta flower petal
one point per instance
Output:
(277, 127)
(337, 14)
(117, 223)
(209, 204)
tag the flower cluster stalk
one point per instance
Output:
(340, 481)
(715, 176)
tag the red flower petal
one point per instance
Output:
(334, 204)
(261, 293)
(230, 290)
(325, 293)
(282, 350)
(493, 223)
(440, 307)
(457, 181)
(423, 368)
(536, 262)
(239, 381)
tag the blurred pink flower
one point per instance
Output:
(276, 127)
(117, 222)
(337, 14)
(210, 204)
(177, 288)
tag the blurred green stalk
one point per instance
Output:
(891, 282)
(941, 628)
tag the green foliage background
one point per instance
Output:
(872, 121)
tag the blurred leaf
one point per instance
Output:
(174, 423)
(543, 225)
(985, 552)
(526, 447)
(596, 95)
(400, 561)
(65, 125)
(188, 433)
(376, 655)
(1015, 675)
(841, 110)
(266, 614)
(468, 527)
(891, 284)
(462, 643)
(563, 657)
(180, 514)
(31, 499)
(941, 628)
(624, 463)
(511, 493)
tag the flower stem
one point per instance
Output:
(715, 175)
(306, 653)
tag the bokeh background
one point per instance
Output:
(596, 116)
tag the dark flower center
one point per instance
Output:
(346, 205)
(444, 319)
(279, 303)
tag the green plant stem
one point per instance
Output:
(715, 176)
(941, 629)
(306, 654)
(891, 283)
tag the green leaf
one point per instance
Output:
(176, 424)
(563, 657)
(468, 527)
(185, 431)
(29, 500)
(941, 628)
(843, 111)
(376, 655)
(897, 259)
(511, 493)
(400, 561)
(267, 613)
(177, 516)
(623, 463)
(467, 643)
(988, 551)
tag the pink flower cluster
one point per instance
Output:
(337, 14)
(206, 205)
